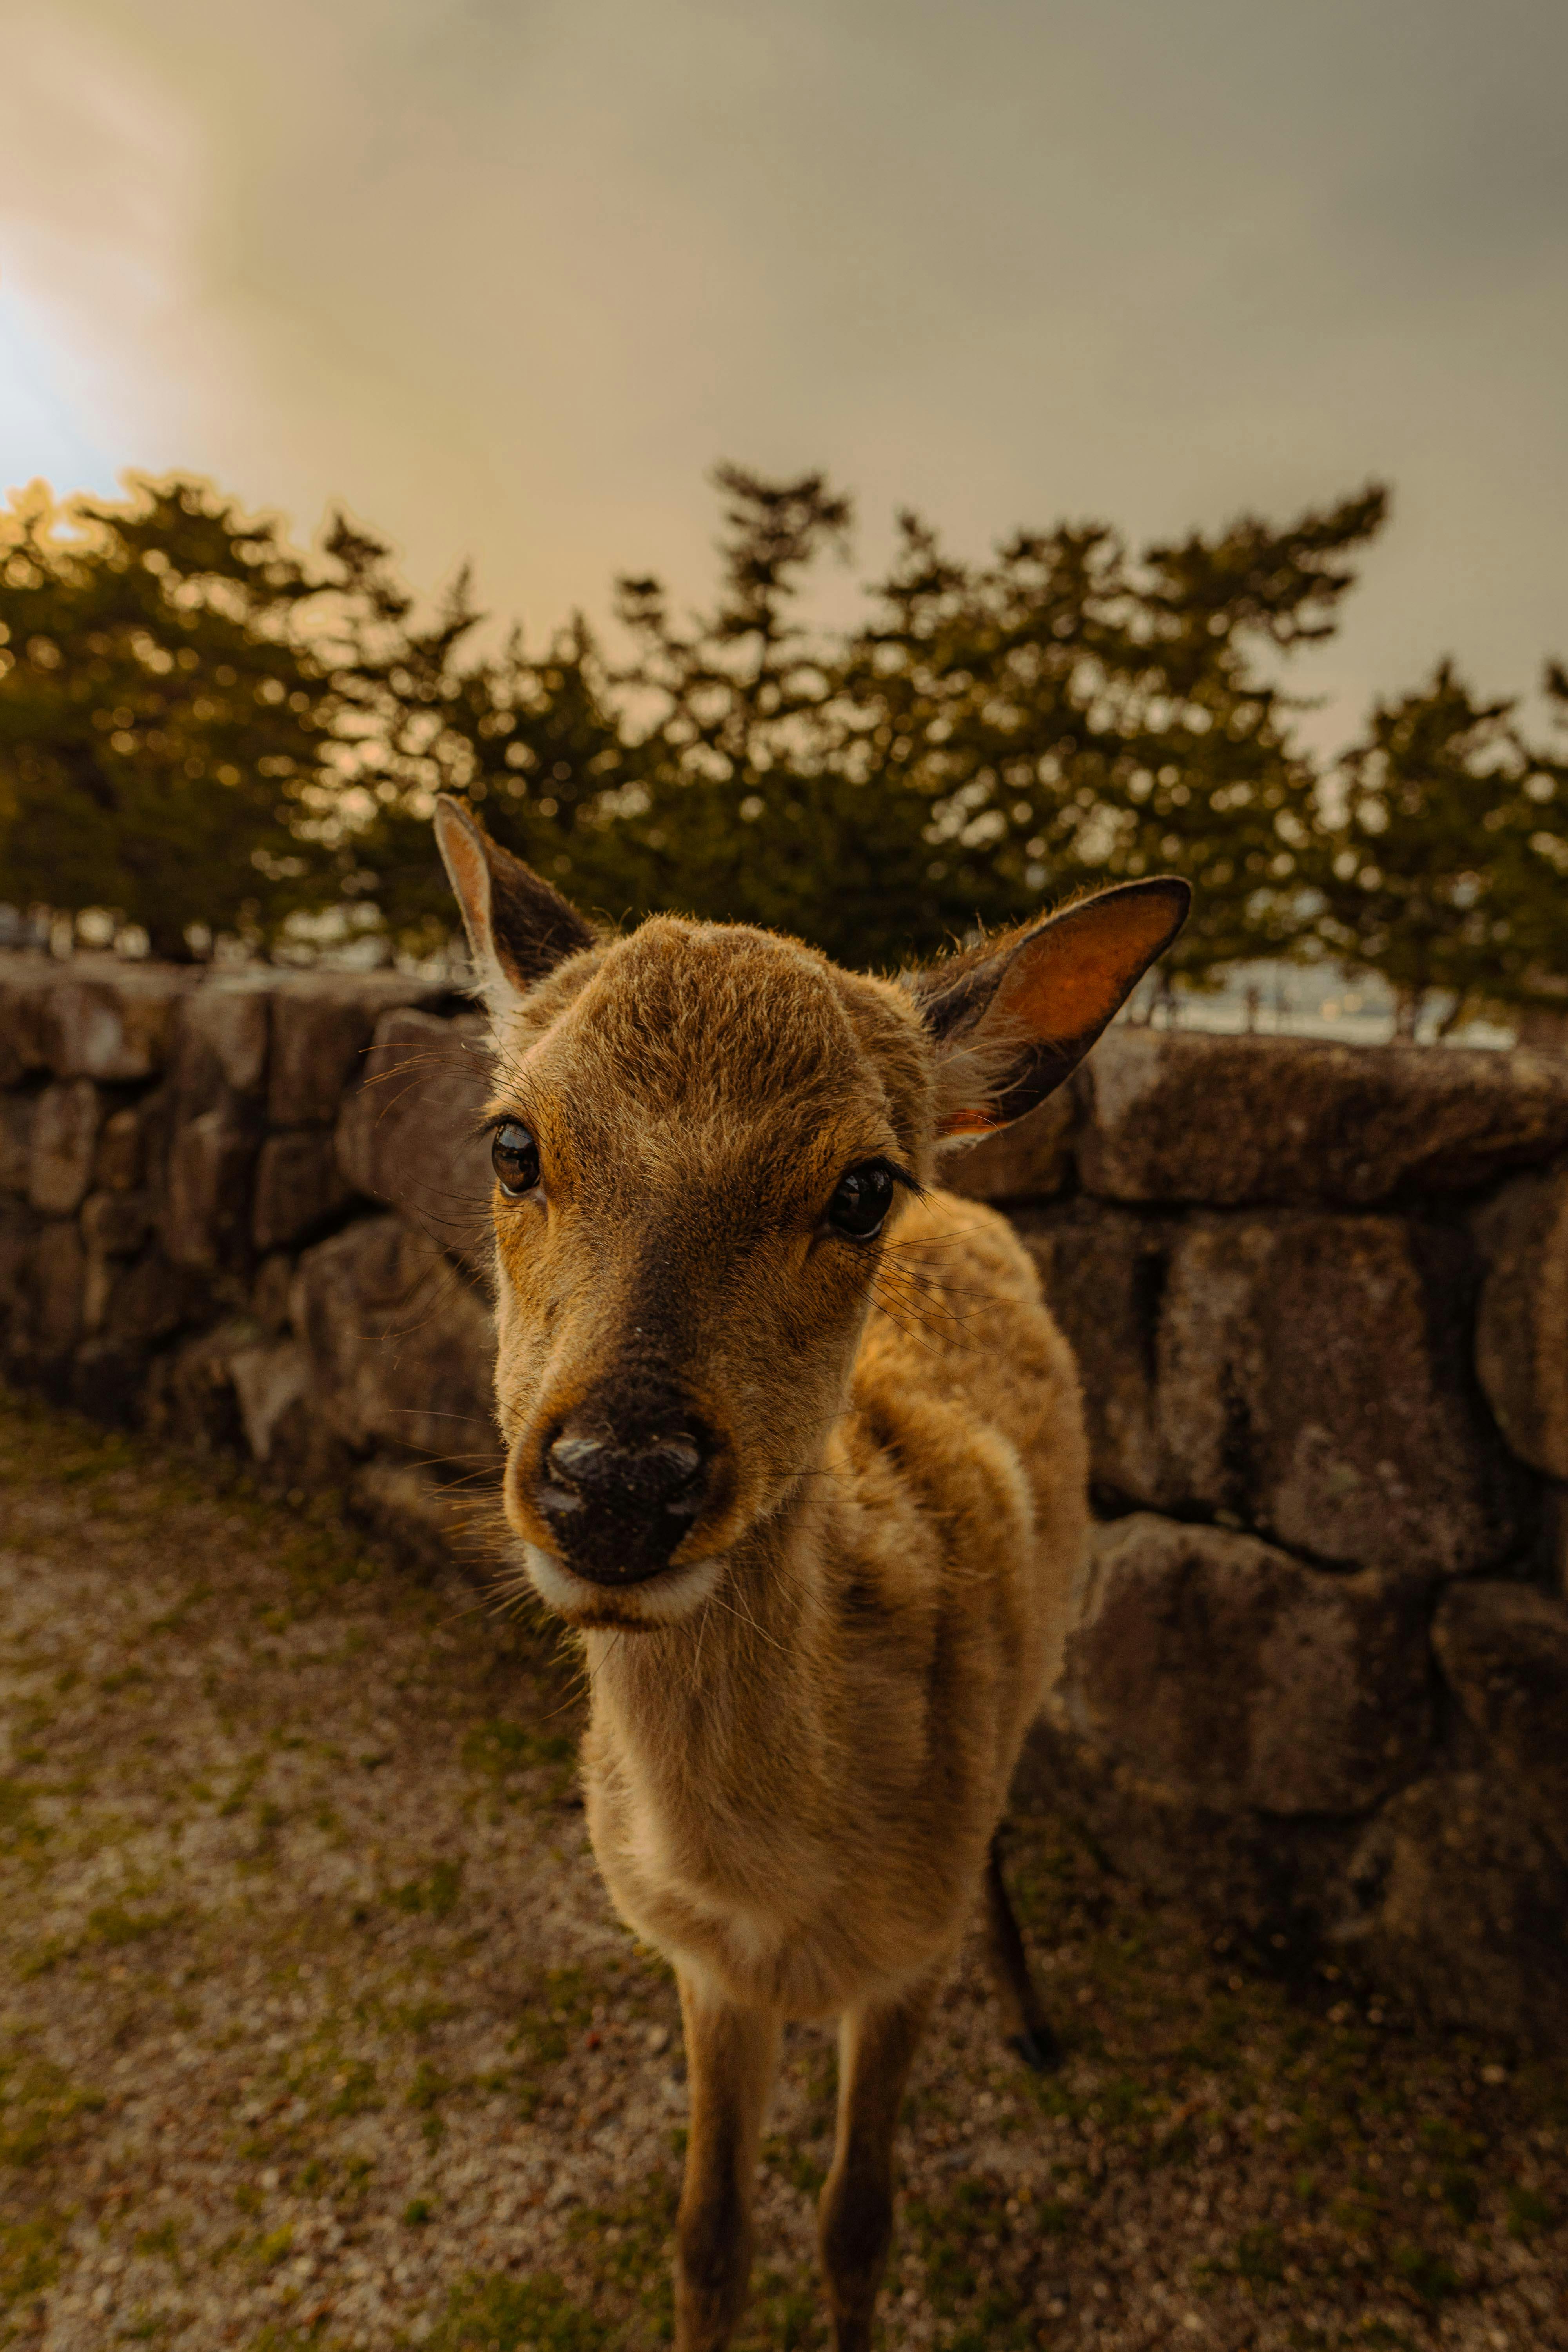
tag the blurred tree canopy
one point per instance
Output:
(161, 719)
(205, 731)
(1446, 868)
(201, 731)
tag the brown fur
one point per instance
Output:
(802, 1734)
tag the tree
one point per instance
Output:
(1068, 715)
(748, 810)
(1445, 874)
(202, 726)
(537, 741)
(164, 715)
(993, 735)
(204, 731)
(532, 737)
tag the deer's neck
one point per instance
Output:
(742, 1688)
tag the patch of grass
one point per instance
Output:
(95, 1460)
(783, 2316)
(1119, 2101)
(29, 2257)
(1461, 2194)
(499, 1749)
(1357, 2212)
(436, 1895)
(1259, 2256)
(39, 2105)
(418, 2016)
(630, 2244)
(963, 2247)
(1218, 2043)
(250, 1772)
(113, 1927)
(795, 2163)
(428, 2088)
(343, 2179)
(175, 1619)
(164, 2240)
(124, 1678)
(1528, 2214)
(322, 1560)
(20, 1828)
(269, 2250)
(503, 2315)
(1442, 2138)
(354, 2091)
(1424, 2273)
(561, 2008)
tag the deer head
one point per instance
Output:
(703, 1134)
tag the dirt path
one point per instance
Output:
(316, 2030)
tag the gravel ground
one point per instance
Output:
(317, 2031)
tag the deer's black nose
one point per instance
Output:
(617, 1503)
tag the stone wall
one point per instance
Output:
(1318, 1681)
(248, 1210)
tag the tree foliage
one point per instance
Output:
(1070, 714)
(1445, 872)
(202, 727)
(993, 733)
(167, 724)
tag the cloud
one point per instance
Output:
(509, 274)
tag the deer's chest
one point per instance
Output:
(777, 1899)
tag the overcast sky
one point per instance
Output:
(507, 277)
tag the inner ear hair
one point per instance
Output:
(1013, 1016)
(519, 926)
(993, 1075)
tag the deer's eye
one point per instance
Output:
(862, 1200)
(514, 1156)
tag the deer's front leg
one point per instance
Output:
(876, 2049)
(730, 2058)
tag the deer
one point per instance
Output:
(794, 1449)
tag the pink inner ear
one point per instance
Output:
(1068, 980)
(1059, 986)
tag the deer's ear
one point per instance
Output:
(519, 928)
(1013, 1017)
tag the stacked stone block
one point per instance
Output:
(245, 1209)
